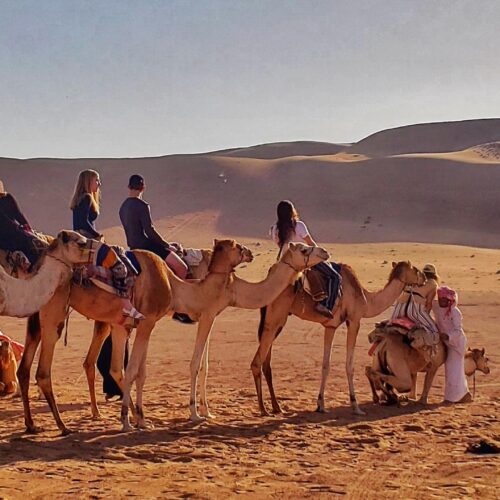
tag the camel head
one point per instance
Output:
(227, 254)
(6, 354)
(300, 256)
(407, 273)
(72, 248)
(479, 357)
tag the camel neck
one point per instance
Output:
(378, 302)
(249, 295)
(25, 297)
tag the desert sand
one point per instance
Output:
(360, 208)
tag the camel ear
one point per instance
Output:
(64, 236)
(482, 351)
(292, 246)
(394, 264)
(216, 242)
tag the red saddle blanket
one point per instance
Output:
(16, 346)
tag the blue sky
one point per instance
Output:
(146, 78)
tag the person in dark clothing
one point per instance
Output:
(109, 386)
(85, 203)
(15, 230)
(141, 234)
(135, 216)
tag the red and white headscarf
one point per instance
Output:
(450, 294)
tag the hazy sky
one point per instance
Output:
(122, 78)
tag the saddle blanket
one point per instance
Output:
(17, 347)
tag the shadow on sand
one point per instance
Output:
(95, 445)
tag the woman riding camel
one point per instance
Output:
(415, 302)
(15, 230)
(85, 204)
(289, 228)
(449, 320)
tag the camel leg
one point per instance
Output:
(413, 392)
(44, 374)
(373, 387)
(401, 381)
(101, 332)
(137, 358)
(204, 328)
(352, 334)
(429, 378)
(325, 370)
(142, 423)
(24, 369)
(268, 373)
(204, 410)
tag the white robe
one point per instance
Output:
(455, 380)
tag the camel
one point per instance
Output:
(21, 298)
(157, 292)
(8, 366)
(240, 293)
(355, 304)
(395, 365)
(102, 330)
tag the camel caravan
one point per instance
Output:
(43, 278)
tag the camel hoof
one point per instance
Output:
(358, 411)
(65, 431)
(197, 418)
(205, 412)
(319, 409)
(277, 411)
(34, 430)
(145, 424)
(264, 413)
(96, 416)
(127, 428)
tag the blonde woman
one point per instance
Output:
(85, 203)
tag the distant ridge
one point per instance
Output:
(441, 137)
(275, 150)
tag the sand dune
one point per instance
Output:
(345, 197)
(429, 138)
(443, 189)
(284, 149)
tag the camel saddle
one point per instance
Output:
(415, 336)
(319, 286)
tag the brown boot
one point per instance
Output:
(323, 310)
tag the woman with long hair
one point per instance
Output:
(415, 302)
(85, 203)
(289, 228)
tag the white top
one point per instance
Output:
(296, 236)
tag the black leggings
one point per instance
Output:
(334, 281)
(109, 386)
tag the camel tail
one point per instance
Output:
(33, 327)
(263, 311)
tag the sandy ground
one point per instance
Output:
(408, 452)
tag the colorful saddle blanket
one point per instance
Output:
(113, 269)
